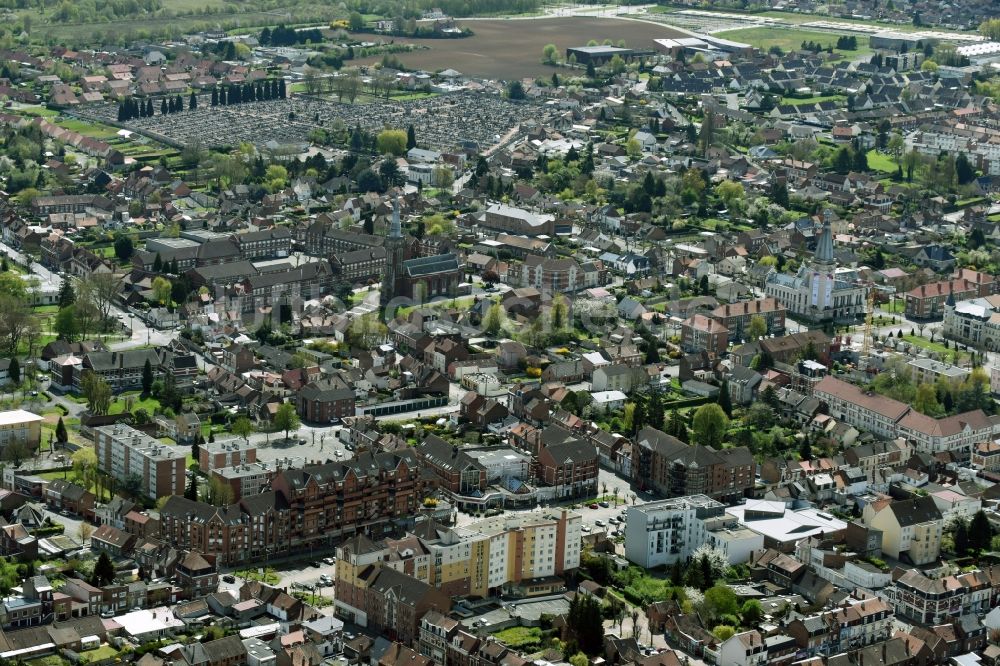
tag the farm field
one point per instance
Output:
(791, 39)
(512, 48)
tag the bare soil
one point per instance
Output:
(512, 48)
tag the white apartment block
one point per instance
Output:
(668, 531)
(21, 427)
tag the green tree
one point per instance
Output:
(751, 613)
(757, 328)
(633, 149)
(391, 142)
(965, 173)
(720, 600)
(926, 401)
(725, 400)
(550, 54)
(61, 435)
(355, 21)
(411, 137)
(493, 323)
(731, 193)
(66, 294)
(961, 536)
(990, 29)
(66, 324)
(162, 288)
(723, 632)
(243, 427)
(710, 424)
(286, 419)
(980, 532)
(585, 622)
(515, 90)
(14, 370)
(123, 248)
(220, 493)
(104, 571)
(805, 449)
(147, 377)
(191, 492)
(96, 391)
(579, 659)
(617, 64)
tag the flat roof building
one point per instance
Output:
(19, 426)
(127, 454)
(598, 55)
(782, 527)
(668, 531)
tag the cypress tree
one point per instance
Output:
(179, 103)
(215, 97)
(282, 91)
(157, 263)
(193, 102)
(164, 108)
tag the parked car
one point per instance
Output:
(599, 522)
(328, 560)
(604, 505)
(229, 578)
(594, 505)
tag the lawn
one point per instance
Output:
(409, 96)
(150, 404)
(790, 39)
(100, 654)
(87, 128)
(881, 162)
(814, 99)
(314, 600)
(38, 111)
(894, 306)
(268, 577)
(924, 343)
(521, 638)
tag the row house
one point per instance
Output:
(67, 496)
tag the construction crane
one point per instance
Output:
(866, 341)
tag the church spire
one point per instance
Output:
(824, 247)
(396, 230)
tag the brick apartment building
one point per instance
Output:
(927, 301)
(664, 463)
(307, 506)
(700, 333)
(214, 455)
(737, 316)
(126, 454)
(321, 403)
